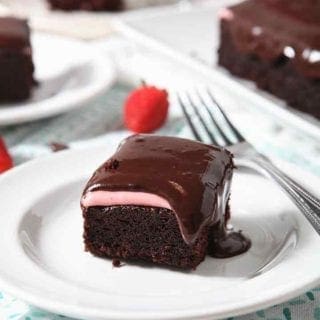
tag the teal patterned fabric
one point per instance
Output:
(274, 140)
(305, 307)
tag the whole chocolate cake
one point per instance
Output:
(16, 66)
(275, 43)
(163, 200)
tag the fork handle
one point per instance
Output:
(308, 204)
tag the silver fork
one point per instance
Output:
(308, 204)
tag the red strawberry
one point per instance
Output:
(5, 160)
(146, 109)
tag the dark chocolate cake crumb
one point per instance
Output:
(116, 263)
(56, 146)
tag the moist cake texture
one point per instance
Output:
(16, 76)
(158, 199)
(275, 43)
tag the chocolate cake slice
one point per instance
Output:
(16, 66)
(275, 43)
(161, 199)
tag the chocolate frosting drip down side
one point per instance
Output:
(14, 33)
(274, 29)
(191, 176)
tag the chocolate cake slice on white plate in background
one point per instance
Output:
(276, 44)
(16, 65)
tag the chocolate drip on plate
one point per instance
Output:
(224, 243)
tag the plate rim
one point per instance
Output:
(272, 297)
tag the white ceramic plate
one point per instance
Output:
(43, 261)
(191, 37)
(70, 74)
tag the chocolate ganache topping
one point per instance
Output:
(272, 29)
(193, 177)
(306, 10)
(14, 33)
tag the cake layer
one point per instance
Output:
(141, 233)
(271, 29)
(191, 177)
(152, 234)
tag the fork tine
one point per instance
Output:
(188, 118)
(209, 133)
(237, 134)
(227, 141)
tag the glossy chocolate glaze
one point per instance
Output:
(193, 177)
(14, 33)
(273, 29)
(305, 10)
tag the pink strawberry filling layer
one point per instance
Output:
(226, 14)
(116, 198)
